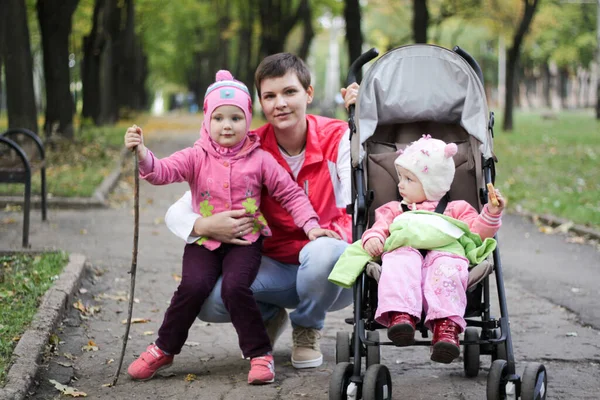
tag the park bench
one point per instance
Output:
(21, 155)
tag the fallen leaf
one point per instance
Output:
(8, 221)
(190, 377)
(83, 290)
(67, 390)
(177, 277)
(70, 356)
(110, 361)
(206, 359)
(546, 229)
(571, 334)
(91, 346)
(148, 333)
(107, 385)
(137, 320)
(192, 344)
(83, 231)
(79, 306)
(16, 338)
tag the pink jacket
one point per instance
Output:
(221, 183)
(484, 224)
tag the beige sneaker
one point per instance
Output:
(306, 352)
(276, 325)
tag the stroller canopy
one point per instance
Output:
(422, 83)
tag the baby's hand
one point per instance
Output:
(374, 247)
(496, 202)
(134, 138)
(318, 232)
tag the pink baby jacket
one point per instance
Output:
(484, 224)
(221, 183)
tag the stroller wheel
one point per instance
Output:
(497, 380)
(534, 382)
(377, 383)
(471, 353)
(340, 379)
(373, 352)
(342, 347)
(499, 351)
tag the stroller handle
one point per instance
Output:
(358, 63)
(471, 61)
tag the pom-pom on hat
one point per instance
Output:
(431, 161)
(227, 91)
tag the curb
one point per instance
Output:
(98, 199)
(554, 222)
(28, 351)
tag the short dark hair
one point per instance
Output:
(277, 65)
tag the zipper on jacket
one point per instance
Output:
(306, 187)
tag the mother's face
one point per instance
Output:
(284, 101)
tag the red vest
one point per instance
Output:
(323, 139)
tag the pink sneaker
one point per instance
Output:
(149, 363)
(262, 370)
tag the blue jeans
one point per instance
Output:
(303, 287)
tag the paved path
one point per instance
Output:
(542, 272)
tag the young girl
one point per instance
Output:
(226, 170)
(409, 282)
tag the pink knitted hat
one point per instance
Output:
(227, 91)
(431, 161)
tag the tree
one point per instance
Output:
(54, 17)
(513, 59)
(18, 65)
(111, 59)
(277, 20)
(420, 21)
(354, 36)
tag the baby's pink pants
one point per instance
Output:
(411, 284)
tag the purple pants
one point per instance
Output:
(411, 284)
(200, 272)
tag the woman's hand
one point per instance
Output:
(134, 139)
(374, 247)
(225, 227)
(318, 232)
(350, 94)
(493, 209)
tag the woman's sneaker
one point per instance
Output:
(149, 363)
(446, 345)
(402, 329)
(262, 370)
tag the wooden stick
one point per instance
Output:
(136, 228)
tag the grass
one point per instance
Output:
(23, 282)
(550, 166)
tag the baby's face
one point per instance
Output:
(410, 187)
(227, 125)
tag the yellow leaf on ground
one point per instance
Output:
(91, 346)
(177, 277)
(190, 377)
(67, 390)
(148, 333)
(79, 306)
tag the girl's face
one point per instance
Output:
(227, 125)
(284, 101)
(410, 187)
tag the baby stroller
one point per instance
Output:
(411, 91)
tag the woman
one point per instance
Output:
(293, 272)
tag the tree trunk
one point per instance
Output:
(246, 63)
(277, 19)
(109, 62)
(420, 21)
(513, 59)
(18, 65)
(354, 35)
(54, 17)
(546, 78)
(309, 31)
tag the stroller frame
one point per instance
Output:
(348, 381)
